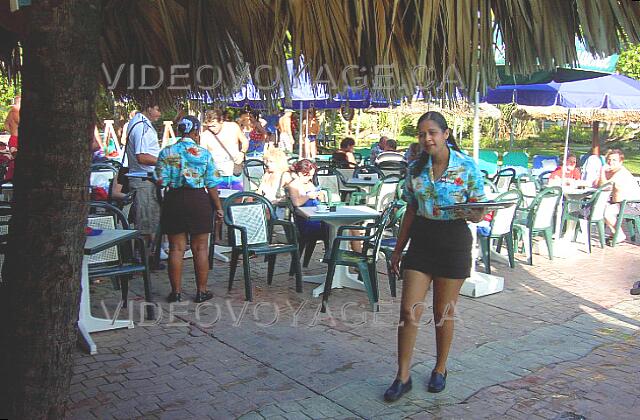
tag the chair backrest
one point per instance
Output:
(393, 167)
(518, 159)
(249, 211)
(489, 186)
(502, 221)
(488, 161)
(528, 187)
(5, 217)
(252, 173)
(504, 178)
(331, 183)
(600, 201)
(368, 170)
(372, 247)
(102, 175)
(345, 174)
(543, 178)
(386, 192)
(106, 216)
(543, 163)
(544, 208)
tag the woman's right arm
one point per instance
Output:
(298, 198)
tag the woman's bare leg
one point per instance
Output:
(177, 246)
(414, 289)
(200, 250)
(445, 298)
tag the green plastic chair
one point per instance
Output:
(387, 245)
(488, 161)
(501, 228)
(519, 161)
(250, 218)
(539, 221)
(381, 194)
(364, 261)
(587, 212)
(632, 221)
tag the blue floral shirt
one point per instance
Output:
(185, 164)
(461, 182)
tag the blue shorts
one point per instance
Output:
(312, 138)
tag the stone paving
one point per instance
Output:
(560, 342)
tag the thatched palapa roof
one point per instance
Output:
(583, 115)
(452, 39)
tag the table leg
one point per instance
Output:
(479, 284)
(341, 278)
(87, 323)
(219, 250)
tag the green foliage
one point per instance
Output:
(629, 61)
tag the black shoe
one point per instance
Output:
(438, 382)
(636, 289)
(203, 296)
(397, 390)
(174, 297)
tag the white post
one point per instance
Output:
(300, 134)
(306, 136)
(358, 125)
(564, 165)
(476, 128)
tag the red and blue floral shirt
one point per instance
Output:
(185, 164)
(461, 182)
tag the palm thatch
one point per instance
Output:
(581, 115)
(450, 42)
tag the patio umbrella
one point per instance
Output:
(611, 91)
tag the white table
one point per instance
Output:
(88, 323)
(344, 215)
(361, 182)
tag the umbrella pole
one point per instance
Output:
(300, 134)
(476, 128)
(564, 165)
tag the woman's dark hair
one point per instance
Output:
(188, 124)
(303, 166)
(346, 142)
(439, 119)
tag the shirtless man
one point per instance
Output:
(625, 187)
(11, 125)
(311, 129)
(227, 149)
(286, 135)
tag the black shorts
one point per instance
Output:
(186, 210)
(441, 248)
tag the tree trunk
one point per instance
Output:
(41, 274)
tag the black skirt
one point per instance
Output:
(186, 210)
(441, 248)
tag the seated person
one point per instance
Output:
(344, 158)
(413, 152)
(390, 153)
(276, 177)
(625, 187)
(592, 167)
(304, 193)
(378, 148)
(571, 173)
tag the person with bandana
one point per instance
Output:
(188, 172)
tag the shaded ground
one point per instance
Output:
(560, 342)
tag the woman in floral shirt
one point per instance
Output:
(188, 171)
(440, 248)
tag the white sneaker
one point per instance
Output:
(163, 254)
(188, 254)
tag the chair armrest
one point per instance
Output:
(289, 229)
(341, 229)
